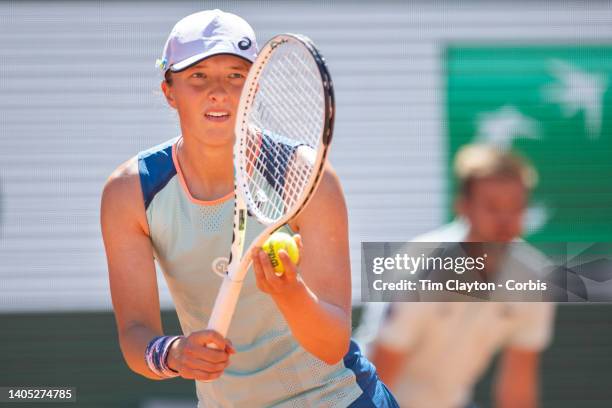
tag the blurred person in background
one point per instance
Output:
(432, 354)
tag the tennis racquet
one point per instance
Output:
(283, 129)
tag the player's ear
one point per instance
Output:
(167, 90)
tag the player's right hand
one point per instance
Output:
(192, 359)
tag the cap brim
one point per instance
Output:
(183, 65)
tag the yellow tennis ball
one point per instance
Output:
(276, 242)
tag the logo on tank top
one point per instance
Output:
(219, 266)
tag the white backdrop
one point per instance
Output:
(80, 95)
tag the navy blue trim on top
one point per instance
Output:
(278, 151)
(156, 169)
(375, 394)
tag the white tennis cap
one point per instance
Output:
(204, 34)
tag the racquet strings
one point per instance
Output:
(286, 126)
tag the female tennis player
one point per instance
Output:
(289, 343)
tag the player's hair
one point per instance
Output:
(168, 77)
(478, 161)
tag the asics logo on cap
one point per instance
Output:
(245, 43)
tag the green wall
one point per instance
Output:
(553, 105)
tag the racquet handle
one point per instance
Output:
(224, 307)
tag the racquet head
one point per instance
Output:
(283, 129)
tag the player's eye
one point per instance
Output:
(236, 75)
(198, 75)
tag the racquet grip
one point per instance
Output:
(224, 307)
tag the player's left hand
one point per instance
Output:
(270, 283)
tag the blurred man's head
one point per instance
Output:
(493, 192)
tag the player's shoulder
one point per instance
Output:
(121, 202)
(329, 190)
(123, 183)
(140, 176)
(330, 182)
(327, 202)
(156, 168)
(161, 151)
(455, 231)
(329, 195)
